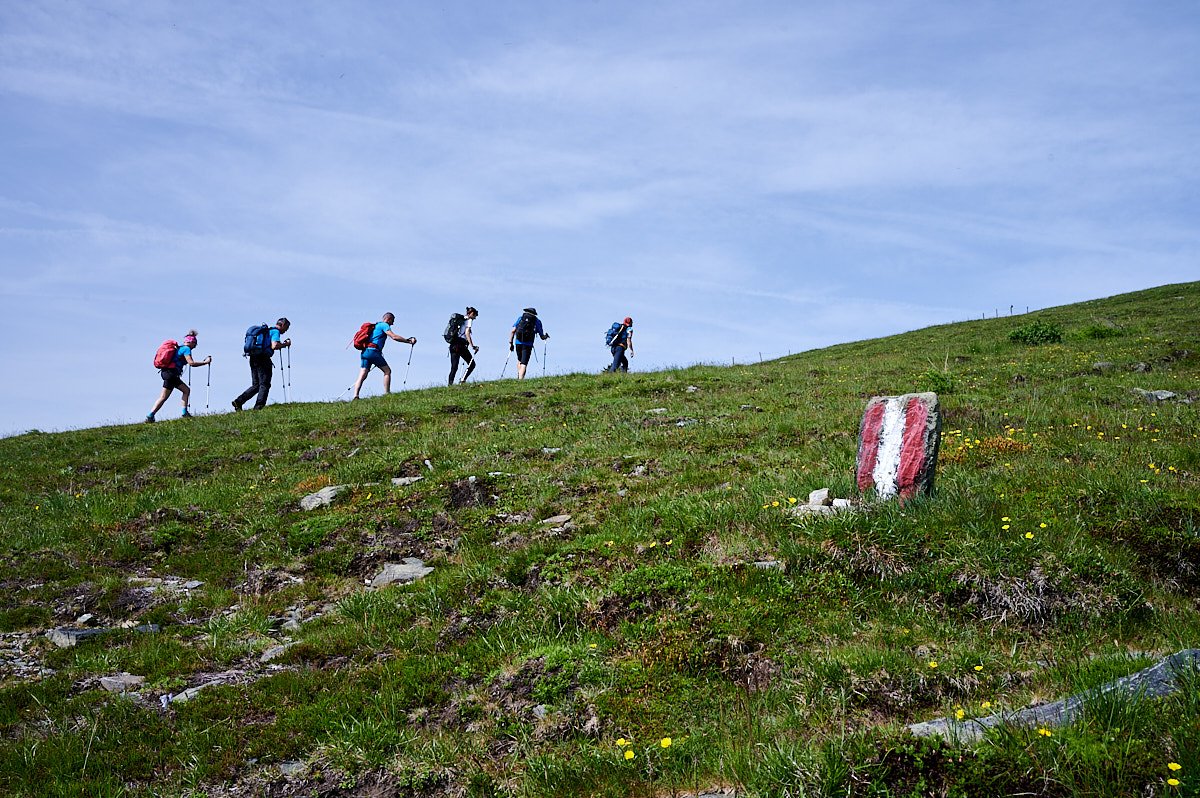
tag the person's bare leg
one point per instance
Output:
(362, 376)
(162, 399)
(520, 371)
(186, 391)
(387, 378)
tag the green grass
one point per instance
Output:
(1060, 551)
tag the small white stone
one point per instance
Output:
(556, 520)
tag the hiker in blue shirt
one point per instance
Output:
(373, 354)
(622, 340)
(172, 375)
(521, 339)
(261, 366)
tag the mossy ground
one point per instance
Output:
(1059, 551)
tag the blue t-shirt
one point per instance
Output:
(379, 336)
(537, 330)
(181, 356)
(274, 336)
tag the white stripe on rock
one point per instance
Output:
(891, 439)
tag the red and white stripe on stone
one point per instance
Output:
(898, 443)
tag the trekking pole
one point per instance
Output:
(505, 364)
(545, 349)
(281, 377)
(207, 387)
(411, 347)
(289, 375)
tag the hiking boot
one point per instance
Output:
(185, 414)
(236, 407)
(149, 418)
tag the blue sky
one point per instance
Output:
(740, 177)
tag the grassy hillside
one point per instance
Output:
(637, 649)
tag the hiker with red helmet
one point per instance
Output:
(620, 340)
(170, 360)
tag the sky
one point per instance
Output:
(745, 179)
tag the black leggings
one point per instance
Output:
(459, 349)
(260, 381)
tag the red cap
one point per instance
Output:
(628, 321)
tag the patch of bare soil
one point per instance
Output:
(471, 492)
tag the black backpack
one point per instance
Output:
(526, 327)
(258, 340)
(453, 327)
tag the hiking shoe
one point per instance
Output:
(185, 414)
(236, 407)
(149, 418)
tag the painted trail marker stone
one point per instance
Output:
(898, 445)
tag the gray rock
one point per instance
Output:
(322, 498)
(87, 619)
(353, 452)
(540, 711)
(1155, 396)
(551, 449)
(820, 496)
(122, 682)
(292, 768)
(842, 504)
(192, 584)
(806, 510)
(686, 422)
(1140, 368)
(410, 570)
(556, 520)
(65, 637)
(429, 465)
(769, 565)
(1155, 681)
(1103, 366)
(275, 652)
(657, 411)
(188, 694)
(402, 481)
(692, 389)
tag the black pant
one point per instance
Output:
(261, 367)
(459, 349)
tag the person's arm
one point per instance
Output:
(400, 338)
(512, 336)
(276, 343)
(542, 331)
(190, 362)
(470, 338)
(629, 342)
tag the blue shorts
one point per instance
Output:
(373, 357)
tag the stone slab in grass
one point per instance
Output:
(410, 570)
(898, 445)
(1155, 681)
(322, 498)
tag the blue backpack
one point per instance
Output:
(258, 341)
(615, 334)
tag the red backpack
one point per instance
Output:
(164, 358)
(362, 338)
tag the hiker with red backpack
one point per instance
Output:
(170, 360)
(369, 340)
(523, 336)
(620, 340)
(261, 343)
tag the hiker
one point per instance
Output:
(170, 359)
(521, 339)
(458, 335)
(372, 354)
(261, 344)
(620, 338)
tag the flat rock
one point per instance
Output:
(275, 652)
(811, 509)
(402, 481)
(292, 768)
(686, 422)
(122, 682)
(322, 498)
(657, 411)
(410, 570)
(1155, 396)
(1155, 681)
(769, 565)
(821, 496)
(556, 520)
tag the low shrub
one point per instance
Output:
(1036, 333)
